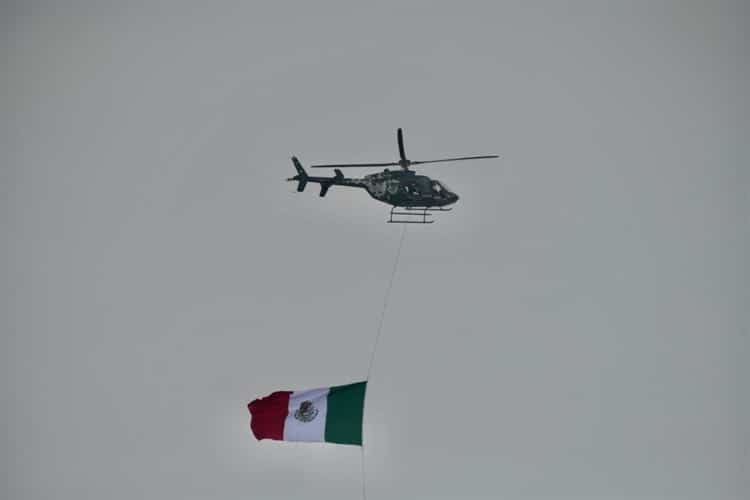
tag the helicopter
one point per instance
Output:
(413, 198)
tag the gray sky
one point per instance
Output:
(576, 327)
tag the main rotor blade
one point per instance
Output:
(455, 159)
(356, 165)
(401, 150)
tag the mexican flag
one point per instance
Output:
(329, 414)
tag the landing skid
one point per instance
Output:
(414, 215)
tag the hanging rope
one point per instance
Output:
(364, 481)
(385, 303)
(375, 348)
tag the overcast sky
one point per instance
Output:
(576, 327)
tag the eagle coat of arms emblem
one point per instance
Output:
(306, 412)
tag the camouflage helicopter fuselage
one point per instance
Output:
(399, 188)
(404, 188)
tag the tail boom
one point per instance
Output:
(325, 182)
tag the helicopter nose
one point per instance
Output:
(454, 197)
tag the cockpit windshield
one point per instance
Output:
(440, 188)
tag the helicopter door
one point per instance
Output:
(412, 189)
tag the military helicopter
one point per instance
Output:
(413, 198)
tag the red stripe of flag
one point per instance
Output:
(268, 415)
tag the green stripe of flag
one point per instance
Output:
(346, 405)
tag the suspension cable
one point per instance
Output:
(375, 348)
(385, 303)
